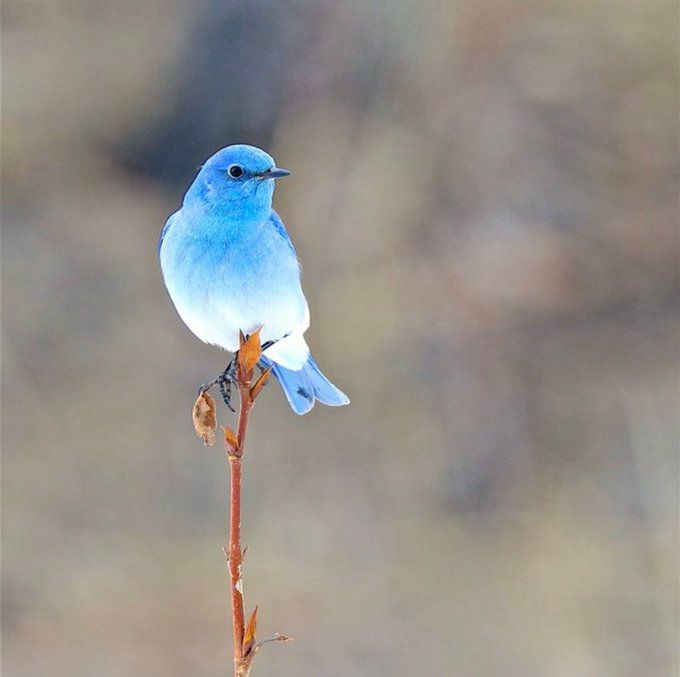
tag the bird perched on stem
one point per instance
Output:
(230, 266)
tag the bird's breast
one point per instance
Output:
(226, 279)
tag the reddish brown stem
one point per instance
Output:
(235, 557)
(245, 642)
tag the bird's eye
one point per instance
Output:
(235, 171)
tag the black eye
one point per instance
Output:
(235, 171)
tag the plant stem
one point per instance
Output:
(235, 556)
(203, 414)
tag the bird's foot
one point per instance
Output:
(267, 344)
(224, 381)
(260, 365)
(228, 377)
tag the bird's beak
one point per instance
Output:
(275, 173)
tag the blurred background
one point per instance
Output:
(485, 205)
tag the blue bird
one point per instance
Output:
(229, 265)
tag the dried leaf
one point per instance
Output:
(250, 351)
(204, 415)
(260, 383)
(249, 636)
(230, 440)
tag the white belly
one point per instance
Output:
(218, 293)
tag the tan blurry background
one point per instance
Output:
(485, 205)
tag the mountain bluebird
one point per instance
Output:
(229, 266)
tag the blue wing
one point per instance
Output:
(281, 230)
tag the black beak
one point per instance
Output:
(275, 173)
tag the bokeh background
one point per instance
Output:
(485, 205)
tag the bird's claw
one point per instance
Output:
(204, 387)
(224, 381)
(225, 391)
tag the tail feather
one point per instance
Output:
(305, 386)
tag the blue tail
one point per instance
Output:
(303, 387)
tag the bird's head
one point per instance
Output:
(237, 177)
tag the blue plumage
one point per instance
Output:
(305, 386)
(229, 265)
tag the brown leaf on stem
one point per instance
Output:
(250, 351)
(204, 415)
(260, 383)
(249, 636)
(230, 440)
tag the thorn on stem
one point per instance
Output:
(231, 441)
(260, 383)
(249, 635)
